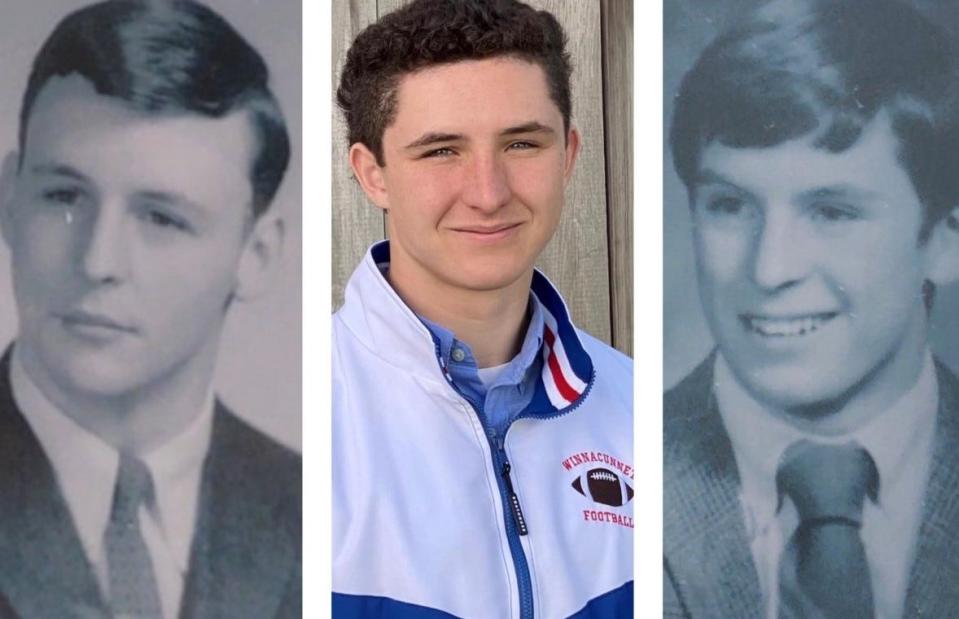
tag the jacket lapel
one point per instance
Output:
(934, 581)
(705, 543)
(243, 557)
(44, 571)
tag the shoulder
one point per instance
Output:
(689, 416)
(247, 458)
(613, 374)
(690, 397)
(606, 357)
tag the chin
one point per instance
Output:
(800, 392)
(486, 281)
(100, 381)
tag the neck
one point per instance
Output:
(142, 418)
(491, 322)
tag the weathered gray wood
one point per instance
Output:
(577, 258)
(356, 222)
(617, 16)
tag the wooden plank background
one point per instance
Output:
(590, 257)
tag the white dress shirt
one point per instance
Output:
(86, 469)
(899, 440)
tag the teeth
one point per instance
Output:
(786, 327)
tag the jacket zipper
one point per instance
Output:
(514, 501)
(515, 522)
(513, 513)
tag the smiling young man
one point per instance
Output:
(811, 462)
(136, 212)
(482, 444)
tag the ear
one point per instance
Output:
(369, 173)
(573, 146)
(943, 256)
(8, 190)
(261, 257)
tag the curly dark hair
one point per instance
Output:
(430, 32)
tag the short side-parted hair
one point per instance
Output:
(825, 69)
(431, 32)
(163, 57)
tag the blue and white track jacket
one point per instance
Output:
(434, 515)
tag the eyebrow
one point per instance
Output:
(56, 169)
(167, 197)
(831, 191)
(433, 137)
(711, 177)
(174, 198)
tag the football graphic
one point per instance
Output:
(603, 486)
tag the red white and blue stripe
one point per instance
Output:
(567, 368)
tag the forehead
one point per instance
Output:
(474, 94)
(871, 164)
(123, 149)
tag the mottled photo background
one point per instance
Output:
(259, 374)
(688, 26)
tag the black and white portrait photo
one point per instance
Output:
(811, 221)
(150, 377)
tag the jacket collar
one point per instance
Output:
(378, 318)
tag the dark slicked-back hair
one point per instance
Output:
(431, 32)
(825, 69)
(169, 57)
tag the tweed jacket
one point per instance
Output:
(707, 563)
(245, 559)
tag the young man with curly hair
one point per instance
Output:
(811, 463)
(482, 444)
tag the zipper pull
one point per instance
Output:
(514, 501)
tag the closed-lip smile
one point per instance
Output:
(93, 320)
(487, 229)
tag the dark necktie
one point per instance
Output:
(823, 573)
(133, 589)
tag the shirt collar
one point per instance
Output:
(86, 468)
(515, 370)
(891, 443)
(377, 317)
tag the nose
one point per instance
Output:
(104, 250)
(781, 255)
(486, 186)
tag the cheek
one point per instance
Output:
(537, 182)
(425, 195)
(720, 255)
(43, 251)
(885, 273)
(188, 285)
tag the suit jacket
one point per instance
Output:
(708, 566)
(245, 559)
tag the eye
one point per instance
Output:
(727, 206)
(165, 220)
(439, 152)
(522, 145)
(831, 212)
(65, 196)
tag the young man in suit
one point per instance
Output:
(135, 211)
(482, 444)
(811, 463)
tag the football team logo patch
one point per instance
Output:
(606, 481)
(603, 486)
